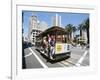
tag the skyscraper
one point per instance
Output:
(56, 20)
(35, 28)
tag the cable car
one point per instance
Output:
(53, 43)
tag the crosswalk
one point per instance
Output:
(74, 62)
(71, 62)
(28, 55)
(41, 62)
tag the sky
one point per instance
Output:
(66, 18)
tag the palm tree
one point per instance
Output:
(80, 29)
(69, 29)
(74, 29)
(86, 27)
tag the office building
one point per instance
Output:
(35, 28)
(56, 20)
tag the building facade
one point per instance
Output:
(84, 36)
(35, 28)
(56, 20)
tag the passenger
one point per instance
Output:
(49, 39)
(52, 45)
(45, 45)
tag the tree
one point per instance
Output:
(86, 27)
(70, 31)
(80, 29)
(74, 29)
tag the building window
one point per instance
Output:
(33, 40)
(33, 34)
(36, 34)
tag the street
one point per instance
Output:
(33, 59)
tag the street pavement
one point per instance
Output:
(34, 59)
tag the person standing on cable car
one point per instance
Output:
(52, 45)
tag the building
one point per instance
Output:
(43, 26)
(84, 35)
(35, 28)
(72, 36)
(56, 20)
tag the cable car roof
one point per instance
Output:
(55, 30)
